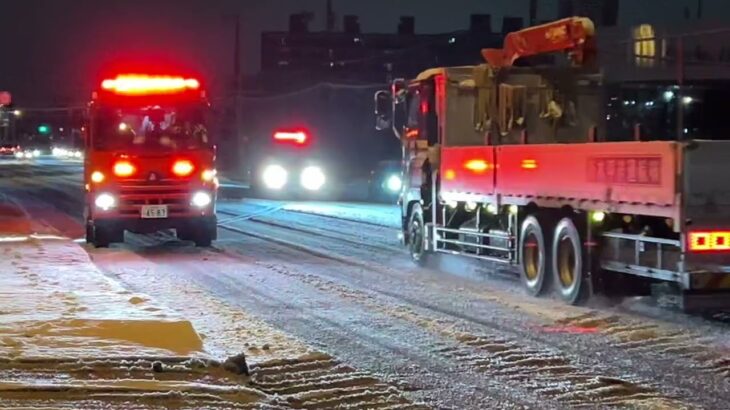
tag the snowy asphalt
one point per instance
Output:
(331, 313)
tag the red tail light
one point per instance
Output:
(124, 169)
(709, 241)
(297, 137)
(183, 168)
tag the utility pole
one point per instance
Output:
(330, 17)
(699, 9)
(235, 143)
(533, 12)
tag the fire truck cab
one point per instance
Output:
(150, 163)
(588, 183)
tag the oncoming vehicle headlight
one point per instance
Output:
(19, 154)
(312, 178)
(394, 183)
(105, 201)
(28, 154)
(201, 199)
(78, 154)
(275, 177)
(36, 153)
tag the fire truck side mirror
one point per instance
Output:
(383, 110)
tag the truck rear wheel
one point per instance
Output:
(569, 263)
(416, 235)
(534, 257)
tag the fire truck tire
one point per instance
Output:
(534, 257)
(204, 236)
(89, 233)
(102, 238)
(569, 264)
(416, 234)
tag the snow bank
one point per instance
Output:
(55, 303)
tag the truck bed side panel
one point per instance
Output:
(468, 170)
(642, 173)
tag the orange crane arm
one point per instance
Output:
(574, 35)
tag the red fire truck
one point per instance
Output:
(150, 164)
(532, 159)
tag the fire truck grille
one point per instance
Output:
(174, 194)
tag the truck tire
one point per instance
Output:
(569, 263)
(416, 236)
(535, 266)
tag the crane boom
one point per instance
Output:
(574, 35)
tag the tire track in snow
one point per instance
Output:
(606, 389)
(280, 366)
(548, 372)
(632, 335)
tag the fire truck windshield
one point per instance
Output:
(152, 128)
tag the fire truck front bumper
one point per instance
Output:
(151, 209)
(146, 226)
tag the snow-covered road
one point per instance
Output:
(330, 312)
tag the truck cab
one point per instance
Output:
(150, 162)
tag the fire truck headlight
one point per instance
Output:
(201, 199)
(394, 183)
(105, 201)
(313, 178)
(275, 177)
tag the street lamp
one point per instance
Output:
(17, 113)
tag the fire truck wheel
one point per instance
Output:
(204, 236)
(534, 257)
(416, 235)
(101, 238)
(570, 267)
(89, 233)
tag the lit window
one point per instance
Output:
(645, 45)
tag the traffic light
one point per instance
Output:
(44, 129)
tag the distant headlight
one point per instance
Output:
(78, 154)
(275, 177)
(105, 201)
(201, 199)
(28, 154)
(394, 183)
(19, 154)
(36, 153)
(313, 178)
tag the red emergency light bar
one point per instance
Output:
(142, 84)
(298, 137)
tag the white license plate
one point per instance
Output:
(154, 211)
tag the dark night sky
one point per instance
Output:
(52, 50)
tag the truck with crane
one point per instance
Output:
(532, 159)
